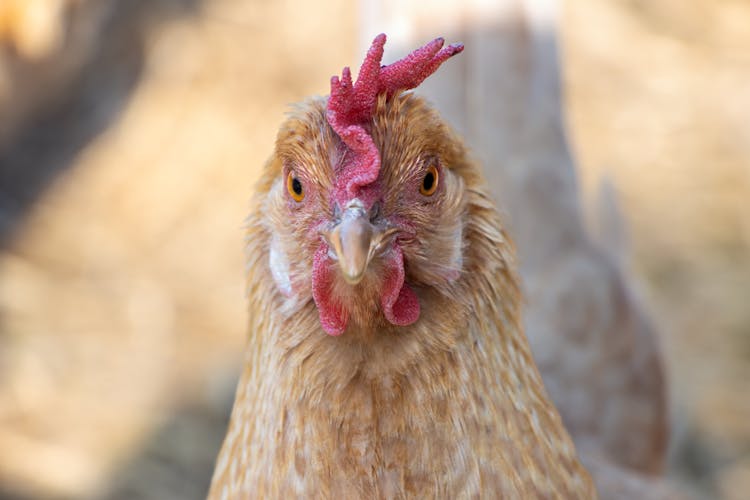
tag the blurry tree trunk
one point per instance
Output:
(596, 349)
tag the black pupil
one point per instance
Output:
(296, 186)
(429, 181)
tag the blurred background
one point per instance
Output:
(131, 133)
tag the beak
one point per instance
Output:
(355, 240)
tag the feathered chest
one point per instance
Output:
(443, 427)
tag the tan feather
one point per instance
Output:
(452, 406)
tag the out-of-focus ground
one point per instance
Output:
(131, 132)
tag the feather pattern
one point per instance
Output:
(449, 406)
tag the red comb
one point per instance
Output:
(350, 107)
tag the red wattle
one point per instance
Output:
(333, 317)
(400, 303)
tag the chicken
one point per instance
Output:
(386, 354)
(596, 347)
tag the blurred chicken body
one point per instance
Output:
(386, 355)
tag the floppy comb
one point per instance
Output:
(350, 107)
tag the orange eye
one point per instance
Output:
(294, 186)
(430, 181)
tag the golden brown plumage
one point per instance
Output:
(449, 406)
(593, 341)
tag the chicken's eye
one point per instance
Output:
(430, 181)
(294, 186)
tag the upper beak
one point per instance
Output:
(355, 240)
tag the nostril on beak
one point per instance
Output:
(351, 240)
(355, 238)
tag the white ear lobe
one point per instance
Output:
(279, 264)
(457, 249)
